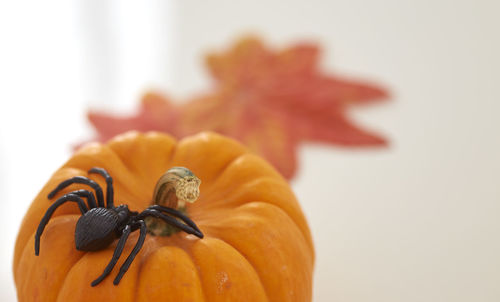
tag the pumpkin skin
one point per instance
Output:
(257, 245)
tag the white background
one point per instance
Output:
(418, 221)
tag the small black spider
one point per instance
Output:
(100, 225)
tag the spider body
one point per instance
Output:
(101, 224)
(99, 227)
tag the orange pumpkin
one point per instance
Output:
(257, 244)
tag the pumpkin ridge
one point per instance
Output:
(237, 164)
(188, 251)
(77, 186)
(203, 204)
(174, 150)
(228, 164)
(284, 212)
(202, 138)
(207, 204)
(68, 273)
(73, 187)
(125, 163)
(150, 246)
(118, 290)
(155, 243)
(27, 273)
(233, 203)
(28, 248)
(27, 222)
(160, 252)
(99, 160)
(217, 234)
(309, 244)
(145, 252)
(246, 259)
(149, 137)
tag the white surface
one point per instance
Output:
(416, 222)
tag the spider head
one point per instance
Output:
(124, 214)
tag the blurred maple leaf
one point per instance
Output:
(155, 113)
(270, 101)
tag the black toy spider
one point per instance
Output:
(100, 225)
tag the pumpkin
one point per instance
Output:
(257, 245)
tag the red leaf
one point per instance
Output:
(155, 113)
(270, 101)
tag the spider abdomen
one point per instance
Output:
(96, 229)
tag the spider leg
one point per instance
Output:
(131, 257)
(89, 195)
(177, 214)
(51, 210)
(170, 220)
(116, 255)
(109, 185)
(80, 180)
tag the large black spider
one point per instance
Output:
(100, 225)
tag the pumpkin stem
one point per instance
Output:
(174, 188)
